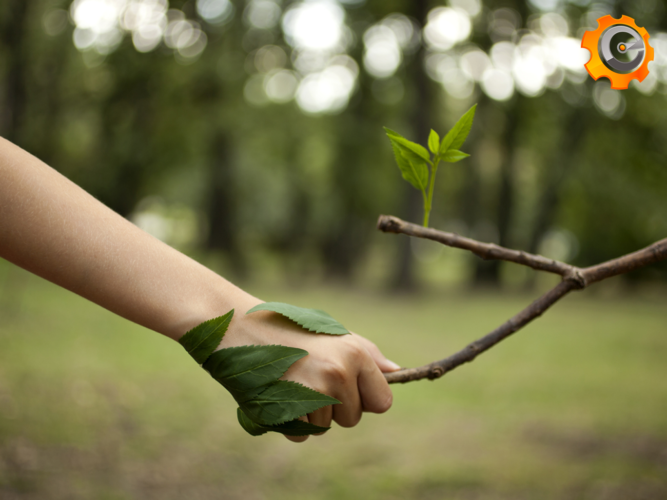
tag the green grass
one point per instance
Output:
(573, 407)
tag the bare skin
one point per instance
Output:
(52, 228)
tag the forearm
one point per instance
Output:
(53, 228)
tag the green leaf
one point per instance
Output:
(313, 320)
(458, 134)
(434, 142)
(418, 149)
(298, 428)
(293, 428)
(250, 427)
(251, 373)
(203, 339)
(283, 401)
(453, 155)
(412, 166)
(244, 370)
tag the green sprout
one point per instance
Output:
(417, 165)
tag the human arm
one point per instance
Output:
(56, 230)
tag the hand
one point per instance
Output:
(348, 367)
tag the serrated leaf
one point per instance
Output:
(203, 339)
(244, 370)
(293, 428)
(434, 142)
(313, 320)
(283, 401)
(418, 149)
(458, 134)
(412, 166)
(453, 155)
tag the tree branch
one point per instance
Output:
(574, 278)
(487, 251)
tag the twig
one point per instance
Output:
(574, 278)
(487, 251)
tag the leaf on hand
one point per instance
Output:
(283, 401)
(293, 428)
(434, 142)
(203, 339)
(418, 149)
(313, 320)
(453, 155)
(458, 134)
(244, 370)
(412, 166)
(250, 427)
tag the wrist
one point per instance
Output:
(211, 302)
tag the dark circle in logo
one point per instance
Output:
(621, 49)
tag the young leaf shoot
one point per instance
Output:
(414, 160)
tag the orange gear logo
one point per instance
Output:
(610, 44)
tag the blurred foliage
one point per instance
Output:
(575, 171)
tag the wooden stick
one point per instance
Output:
(574, 278)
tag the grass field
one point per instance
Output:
(573, 407)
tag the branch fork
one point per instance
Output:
(573, 278)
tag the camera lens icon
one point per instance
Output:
(620, 51)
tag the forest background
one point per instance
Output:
(248, 134)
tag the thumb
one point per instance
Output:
(385, 365)
(382, 363)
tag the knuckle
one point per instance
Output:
(372, 345)
(355, 350)
(336, 372)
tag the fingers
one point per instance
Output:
(383, 363)
(321, 417)
(348, 413)
(369, 392)
(298, 439)
(376, 396)
(351, 370)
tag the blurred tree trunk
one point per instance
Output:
(358, 132)
(14, 38)
(12, 116)
(562, 162)
(420, 120)
(469, 203)
(487, 273)
(222, 203)
(342, 246)
(45, 146)
(125, 155)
